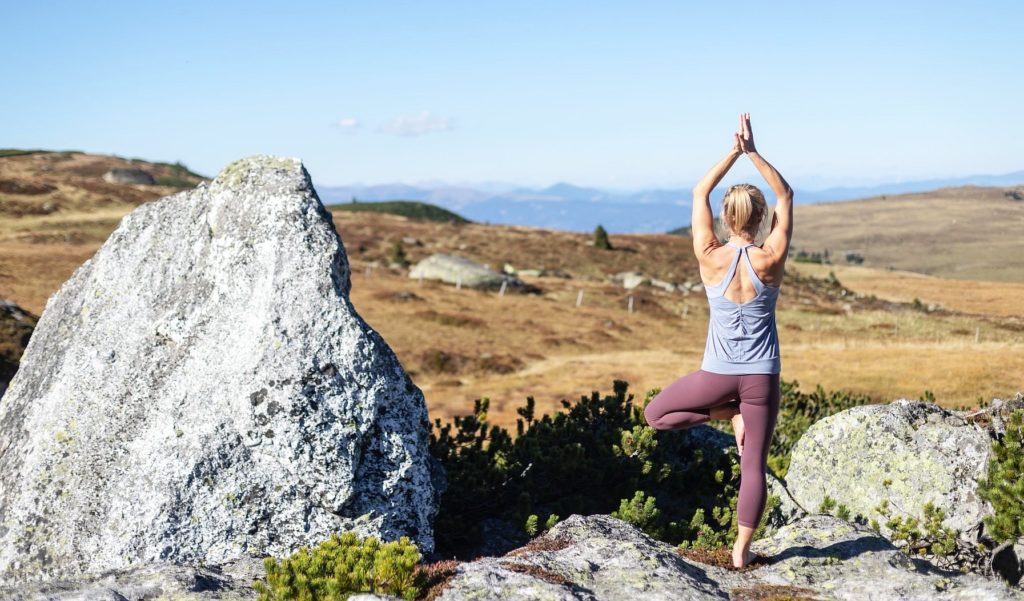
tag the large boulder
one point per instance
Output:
(202, 390)
(594, 558)
(129, 176)
(905, 453)
(453, 269)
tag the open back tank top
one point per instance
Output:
(742, 338)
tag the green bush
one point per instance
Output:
(342, 566)
(397, 254)
(595, 456)
(598, 455)
(601, 238)
(1003, 485)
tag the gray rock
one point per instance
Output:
(666, 286)
(129, 176)
(599, 557)
(202, 390)
(157, 581)
(927, 452)
(630, 279)
(453, 269)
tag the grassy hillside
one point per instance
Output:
(969, 233)
(873, 331)
(407, 208)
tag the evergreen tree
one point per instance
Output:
(601, 238)
(1004, 486)
(398, 254)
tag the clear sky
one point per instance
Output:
(620, 95)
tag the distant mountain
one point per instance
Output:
(852, 193)
(575, 208)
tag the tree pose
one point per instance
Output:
(739, 376)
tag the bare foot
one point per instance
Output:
(742, 557)
(738, 429)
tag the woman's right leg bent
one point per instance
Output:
(687, 401)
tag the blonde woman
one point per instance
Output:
(739, 376)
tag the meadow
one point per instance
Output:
(885, 333)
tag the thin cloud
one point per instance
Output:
(348, 124)
(417, 125)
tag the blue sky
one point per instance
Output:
(619, 95)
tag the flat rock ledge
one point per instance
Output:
(598, 557)
(816, 557)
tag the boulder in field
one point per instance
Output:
(202, 391)
(129, 176)
(453, 269)
(905, 453)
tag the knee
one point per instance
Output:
(651, 417)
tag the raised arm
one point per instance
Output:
(777, 242)
(702, 221)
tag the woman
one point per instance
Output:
(739, 376)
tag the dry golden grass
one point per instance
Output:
(969, 233)
(967, 296)
(460, 345)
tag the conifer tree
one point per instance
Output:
(1004, 486)
(601, 238)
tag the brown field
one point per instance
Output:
(459, 345)
(966, 296)
(967, 233)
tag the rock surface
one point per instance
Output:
(453, 269)
(928, 453)
(129, 176)
(819, 556)
(202, 390)
(597, 558)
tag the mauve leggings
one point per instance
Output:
(687, 402)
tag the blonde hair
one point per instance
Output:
(743, 209)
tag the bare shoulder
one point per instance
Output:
(768, 264)
(715, 262)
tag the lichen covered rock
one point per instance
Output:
(203, 390)
(597, 558)
(905, 452)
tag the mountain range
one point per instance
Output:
(574, 208)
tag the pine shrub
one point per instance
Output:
(601, 238)
(1003, 485)
(592, 457)
(342, 566)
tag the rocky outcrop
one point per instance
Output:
(129, 176)
(453, 269)
(816, 557)
(598, 558)
(202, 390)
(905, 453)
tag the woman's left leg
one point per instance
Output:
(759, 406)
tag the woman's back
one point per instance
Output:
(742, 334)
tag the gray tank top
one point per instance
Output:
(742, 338)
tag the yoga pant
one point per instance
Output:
(687, 402)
